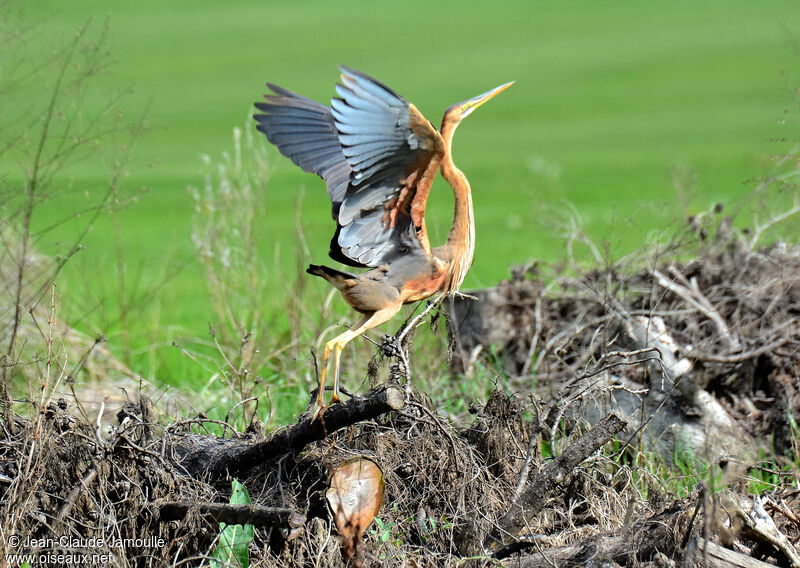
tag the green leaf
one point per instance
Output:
(239, 495)
(234, 540)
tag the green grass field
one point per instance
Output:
(610, 99)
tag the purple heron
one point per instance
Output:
(378, 156)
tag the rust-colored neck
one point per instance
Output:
(461, 239)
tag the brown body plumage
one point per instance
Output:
(379, 184)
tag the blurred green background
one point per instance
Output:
(635, 113)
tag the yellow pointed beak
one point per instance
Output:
(470, 105)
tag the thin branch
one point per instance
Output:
(759, 229)
(30, 194)
(69, 502)
(690, 292)
(231, 514)
(739, 357)
(534, 498)
(399, 340)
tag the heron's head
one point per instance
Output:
(459, 111)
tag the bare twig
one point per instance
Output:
(760, 228)
(400, 338)
(98, 424)
(523, 476)
(739, 357)
(27, 214)
(537, 332)
(225, 426)
(232, 514)
(690, 292)
(443, 430)
(73, 495)
(550, 477)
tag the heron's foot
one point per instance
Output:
(322, 407)
(320, 410)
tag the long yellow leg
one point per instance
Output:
(332, 347)
(321, 385)
(336, 345)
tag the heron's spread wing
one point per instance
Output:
(391, 154)
(394, 154)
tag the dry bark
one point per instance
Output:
(710, 555)
(218, 458)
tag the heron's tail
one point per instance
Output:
(337, 278)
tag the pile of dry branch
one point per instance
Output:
(680, 362)
(701, 355)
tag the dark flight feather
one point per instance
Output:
(365, 149)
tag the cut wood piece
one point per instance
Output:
(710, 555)
(355, 496)
(750, 520)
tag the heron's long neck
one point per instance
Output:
(461, 239)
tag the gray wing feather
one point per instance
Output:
(304, 131)
(363, 147)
